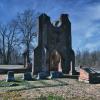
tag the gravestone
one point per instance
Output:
(42, 75)
(27, 76)
(10, 77)
(56, 74)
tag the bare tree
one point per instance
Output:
(78, 58)
(12, 38)
(93, 57)
(27, 23)
(3, 31)
(86, 58)
(21, 31)
(9, 39)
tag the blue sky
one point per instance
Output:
(83, 14)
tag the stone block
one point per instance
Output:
(10, 76)
(42, 75)
(27, 76)
(56, 74)
(89, 75)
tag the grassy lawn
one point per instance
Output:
(21, 84)
(55, 89)
(10, 90)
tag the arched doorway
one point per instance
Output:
(55, 61)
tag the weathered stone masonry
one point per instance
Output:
(54, 51)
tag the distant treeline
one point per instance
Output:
(89, 59)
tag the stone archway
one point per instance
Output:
(55, 61)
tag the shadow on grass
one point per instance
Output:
(62, 82)
(43, 85)
(46, 84)
(71, 76)
(33, 84)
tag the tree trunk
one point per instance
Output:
(4, 55)
(8, 55)
(28, 60)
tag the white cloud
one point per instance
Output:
(92, 46)
(85, 27)
(92, 31)
(94, 11)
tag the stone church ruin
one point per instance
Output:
(54, 51)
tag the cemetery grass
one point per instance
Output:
(55, 89)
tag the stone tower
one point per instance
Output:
(54, 51)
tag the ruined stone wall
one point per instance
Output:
(54, 37)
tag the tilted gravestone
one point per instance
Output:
(10, 77)
(56, 74)
(27, 76)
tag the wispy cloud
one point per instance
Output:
(93, 46)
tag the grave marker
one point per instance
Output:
(27, 76)
(56, 74)
(10, 77)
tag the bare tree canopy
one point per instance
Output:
(9, 39)
(86, 58)
(20, 32)
(27, 27)
(3, 31)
